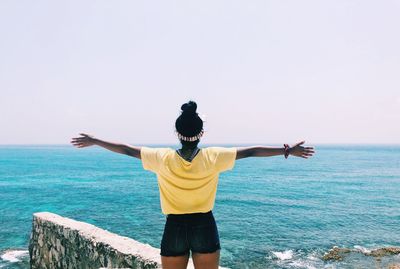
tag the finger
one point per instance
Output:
(78, 144)
(84, 134)
(80, 139)
(309, 147)
(300, 143)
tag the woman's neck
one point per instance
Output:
(188, 152)
(188, 148)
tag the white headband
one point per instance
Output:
(190, 138)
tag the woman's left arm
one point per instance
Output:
(262, 151)
(88, 140)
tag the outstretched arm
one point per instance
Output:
(262, 151)
(88, 140)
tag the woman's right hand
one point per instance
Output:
(299, 151)
(85, 140)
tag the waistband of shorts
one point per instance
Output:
(190, 215)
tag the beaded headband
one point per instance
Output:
(190, 138)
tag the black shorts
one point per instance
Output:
(184, 232)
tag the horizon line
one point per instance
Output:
(247, 144)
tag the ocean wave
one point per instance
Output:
(300, 259)
(14, 255)
(362, 249)
(337, 257)
(283, 255)
(303, 264)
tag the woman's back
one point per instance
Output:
(187, 186)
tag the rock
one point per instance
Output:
(386, 251)
(336, 254)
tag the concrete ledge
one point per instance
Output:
(58, 242)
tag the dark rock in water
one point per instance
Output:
(338, 254)
(386, 251)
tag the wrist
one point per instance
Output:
(286, 150)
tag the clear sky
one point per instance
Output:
(261, 71)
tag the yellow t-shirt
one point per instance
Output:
(187, 187)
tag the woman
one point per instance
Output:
(187, 180)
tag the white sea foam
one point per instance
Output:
(14, 255)
(302, 264)
(312, 257)
(283, 255)
(362, 249)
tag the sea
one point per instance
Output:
(271, 212)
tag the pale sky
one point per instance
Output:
(262, 72)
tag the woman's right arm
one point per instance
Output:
(88, 140)
(263, 151)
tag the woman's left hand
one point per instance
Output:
(300, 151)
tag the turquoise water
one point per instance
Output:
(270, 212)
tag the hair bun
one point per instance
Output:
(189, 108)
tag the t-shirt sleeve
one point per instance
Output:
(225, 158)
(151, 158)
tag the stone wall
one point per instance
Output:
(58, 242)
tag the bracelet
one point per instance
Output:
(286, 150)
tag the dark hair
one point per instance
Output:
(189, 123)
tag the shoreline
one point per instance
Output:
(386, 257)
